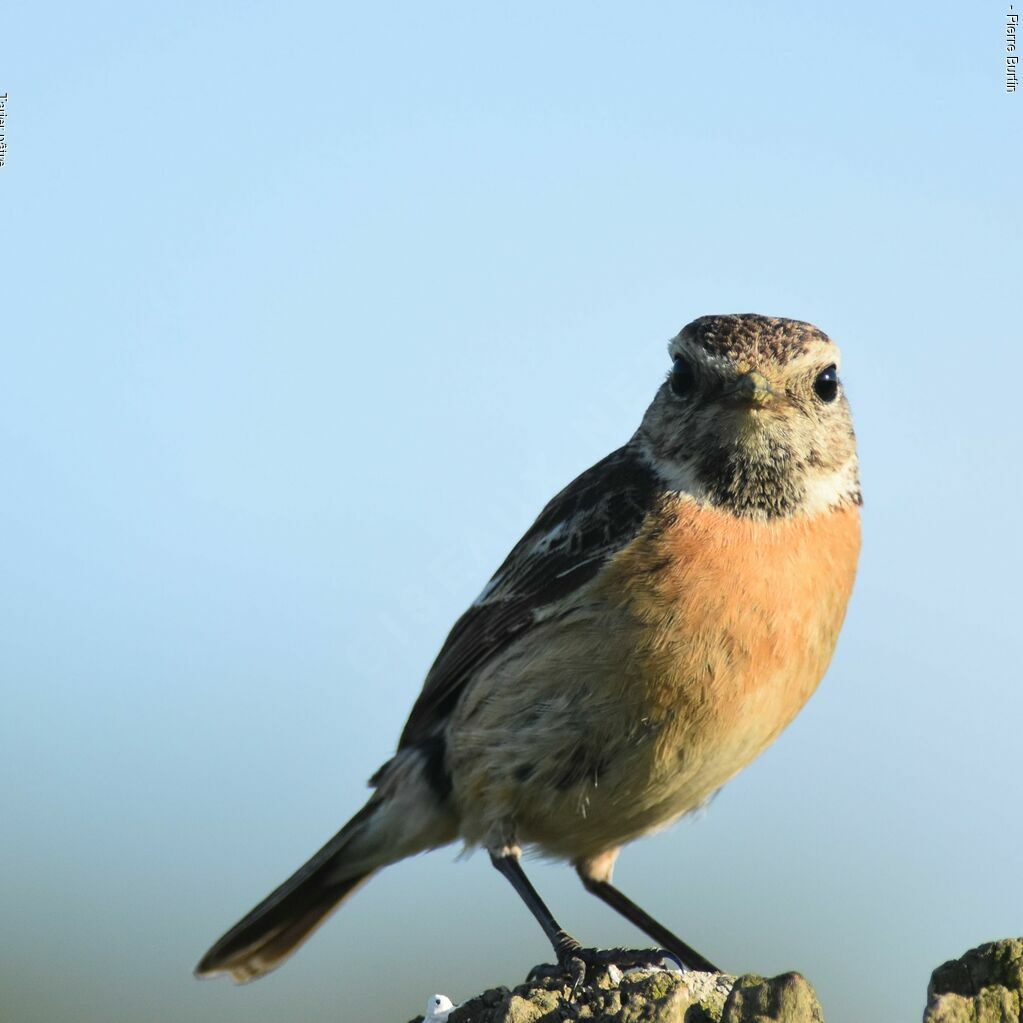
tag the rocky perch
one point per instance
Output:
(984, 986)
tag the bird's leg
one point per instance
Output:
(566, 948)
(606, 891)
(572, 957)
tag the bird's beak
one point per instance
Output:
(753, 390)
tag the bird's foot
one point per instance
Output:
(579, 964)
(634, 958)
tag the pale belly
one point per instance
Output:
(696, 648)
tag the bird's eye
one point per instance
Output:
(826, 384)
(682, 379)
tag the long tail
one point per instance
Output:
(403, 817)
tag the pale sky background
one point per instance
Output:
(305, 312)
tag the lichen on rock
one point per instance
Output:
(648, 996)
(983, 986)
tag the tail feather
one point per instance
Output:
(267, 935)
(404, 817)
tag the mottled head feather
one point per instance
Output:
(750, 337)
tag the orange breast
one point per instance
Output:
(736, 621)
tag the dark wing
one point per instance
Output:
(596, 515)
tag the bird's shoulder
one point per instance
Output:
(580, 529)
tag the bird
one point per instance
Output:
(438, 1008)
(667, 614)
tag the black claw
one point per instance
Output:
(571, 961)
(577, 974)
(665, 954)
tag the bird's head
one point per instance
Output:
(753, 417)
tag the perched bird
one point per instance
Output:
(438, 1008)
(665, 617)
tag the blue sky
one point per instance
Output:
(307, 310)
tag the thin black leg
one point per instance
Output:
(565, 946)
(645, 922)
